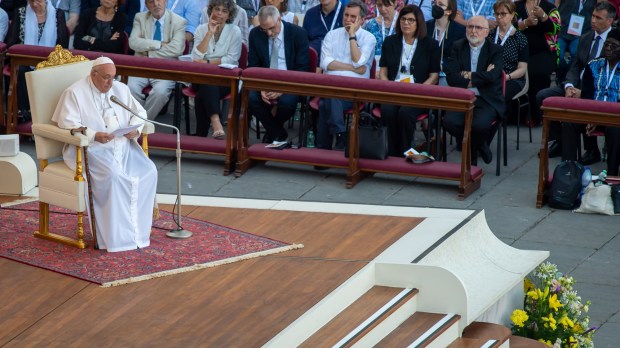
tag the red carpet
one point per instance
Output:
(211, 245)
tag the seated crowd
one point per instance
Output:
(494, 49)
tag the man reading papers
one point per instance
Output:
(123, 178)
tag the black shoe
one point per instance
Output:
(555, 149)
(486, 154)
(590, 157)
(320, 168)
(282, 137)
(340, 139)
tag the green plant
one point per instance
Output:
(553, 312)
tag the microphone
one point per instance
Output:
(179, 232)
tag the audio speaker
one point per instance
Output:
(9, 145)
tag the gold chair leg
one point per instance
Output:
(43, 232)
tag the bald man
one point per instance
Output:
(476, 64)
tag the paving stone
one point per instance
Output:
(509, 221)
(604, 300)
(566, 257)
(601, 268)
(607, 336)
(568, 228)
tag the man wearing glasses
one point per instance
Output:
(280, 45)
(476, 64)
(122, 178)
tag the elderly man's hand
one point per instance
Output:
(132, 135)
(103, 137)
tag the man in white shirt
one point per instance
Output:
(157, 33)
(347, 51)
(123, 180)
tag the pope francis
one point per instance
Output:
(123, 179)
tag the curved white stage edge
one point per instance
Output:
(452, 258)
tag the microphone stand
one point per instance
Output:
(179, 232)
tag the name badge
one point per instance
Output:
(575, 25)
(408, 78)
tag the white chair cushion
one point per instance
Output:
(57, 186)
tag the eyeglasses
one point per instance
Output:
(105, 78)
(476, 27)
(407, 20)
(501, 14)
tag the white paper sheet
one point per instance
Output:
(122, 131)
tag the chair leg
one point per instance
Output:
(187, 116)
(499, 148)
(177, 106)
(518, 122)
(505, 143)
(43, 233)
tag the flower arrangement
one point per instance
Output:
(553, 312)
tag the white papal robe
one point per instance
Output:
(124, 179)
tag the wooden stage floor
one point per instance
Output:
(243, 304)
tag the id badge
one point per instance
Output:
(408, 78)
(575, 25)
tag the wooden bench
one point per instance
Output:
(570, 110)
(153, 68)
(358, 91)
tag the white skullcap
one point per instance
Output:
(102, 60)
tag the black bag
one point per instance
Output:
(566, 185)
(615, 197)
(373, 138)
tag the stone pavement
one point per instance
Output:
(584, 246)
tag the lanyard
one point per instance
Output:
(57, 3)
(407, 63)
(505, 36)
(443, 34)
(303, 5)
(609, 77)
(174, 5)
(473, 11)
(581, 6)
(333, 20)
(391, 27)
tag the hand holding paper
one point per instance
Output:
(122, 131)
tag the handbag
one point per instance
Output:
(597, 200)
(373, 138)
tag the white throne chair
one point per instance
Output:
(58, 184)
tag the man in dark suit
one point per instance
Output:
(587, 49)
(279, 45)
(476, 63)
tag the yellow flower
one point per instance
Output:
(527, 285)
(577, 329)
(535, 294)
(573, 341)
(547, 342)
(519, 317)
(566, 322)
(550, 322)
(554, 303)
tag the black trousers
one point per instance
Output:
(484, 115)
(400, 121)
(23, 103)
(207, 103)
(512, 88)
(274, 125)
(570, 134)
(612, 139)
(540, 67)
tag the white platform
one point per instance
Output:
(18, 174)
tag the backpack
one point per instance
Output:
(566, 185)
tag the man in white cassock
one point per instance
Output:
(123, 178)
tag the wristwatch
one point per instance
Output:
(351, 38)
